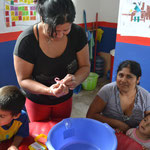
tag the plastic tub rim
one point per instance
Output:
(49, 144)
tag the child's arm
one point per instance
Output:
(16, 142)
(144, 148)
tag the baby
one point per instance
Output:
(142, 133)
(13, 120)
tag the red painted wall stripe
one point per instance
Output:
(4, 37)
(100, 23)
(107, 24)
(133, 40)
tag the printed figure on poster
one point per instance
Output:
(134, 18)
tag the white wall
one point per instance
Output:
(107, 10)
(90, 6)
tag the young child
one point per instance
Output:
(142, 133)
(13, 120)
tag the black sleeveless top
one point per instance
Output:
(46, 68)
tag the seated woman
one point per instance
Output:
(122, 104)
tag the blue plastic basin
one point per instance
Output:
(81, 134)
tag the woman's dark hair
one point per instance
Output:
(56, 12)
(134, 67)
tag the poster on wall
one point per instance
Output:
(17, 15)
(134, 18)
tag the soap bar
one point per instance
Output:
(36, 146)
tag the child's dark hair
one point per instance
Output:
(11, 99)
(148, 114)
(56, 12)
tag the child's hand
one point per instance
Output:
(118, 130)
(144, 148)
(12, 147)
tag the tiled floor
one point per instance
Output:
(83, 99)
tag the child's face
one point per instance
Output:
(144, 126)
(5, 117)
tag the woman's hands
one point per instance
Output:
(63, 86)
(58, 89)
(70, 81)
(123, 127)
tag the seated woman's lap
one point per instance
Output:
(37, 112)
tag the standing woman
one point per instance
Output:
(51, 58)
(122, 104)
